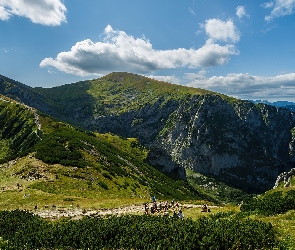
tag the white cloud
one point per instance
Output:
(171, 79)
(246, 86)
(224, 31)
(279, 8)
(241, 12)
(4, 15)
(196, 76)
(46, 12)
(121, 52)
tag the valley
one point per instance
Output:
(103, 148)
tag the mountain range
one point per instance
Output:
(191, 135)
(282, 104)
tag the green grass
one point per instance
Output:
(127, 145)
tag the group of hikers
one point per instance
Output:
(159, 207)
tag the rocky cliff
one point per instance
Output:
(242, 144)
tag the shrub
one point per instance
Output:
(22, 230)
(103, 185)
(270, 204)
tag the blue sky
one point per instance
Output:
(243, 48)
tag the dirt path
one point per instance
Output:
(77, 213)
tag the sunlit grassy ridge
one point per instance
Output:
(121, 92)
(127, 145)
(117, 93)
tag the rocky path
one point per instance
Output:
(77, 213)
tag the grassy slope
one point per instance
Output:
(284, 222)
(18, 131)
(121, 92)
(98, 170)
(117, 93)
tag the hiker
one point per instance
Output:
(153, 199)
(146, 208)
(177, 204)
(175, 215)
(205, 209)
(153, 209)
(180, 214)
(155, 206)
(160, 206)
(172, 203)
(166, 206)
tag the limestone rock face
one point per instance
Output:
(285, 177)
(239, 143)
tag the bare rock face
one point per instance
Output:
(285, 177)
(164, 162)
(240, 144)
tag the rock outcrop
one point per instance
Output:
(285, 177)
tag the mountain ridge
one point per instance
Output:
(242, 144)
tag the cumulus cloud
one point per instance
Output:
(171, 79)
(279, 8)
(121, 52)
(241, 12)
(219, 30)
(46, 12)
(196, 76)
(4, 15)
(246, 86)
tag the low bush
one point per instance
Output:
(270, 204)
(22, 230)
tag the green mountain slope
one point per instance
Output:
(18, 129)
(55, 163)
(117, 93)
